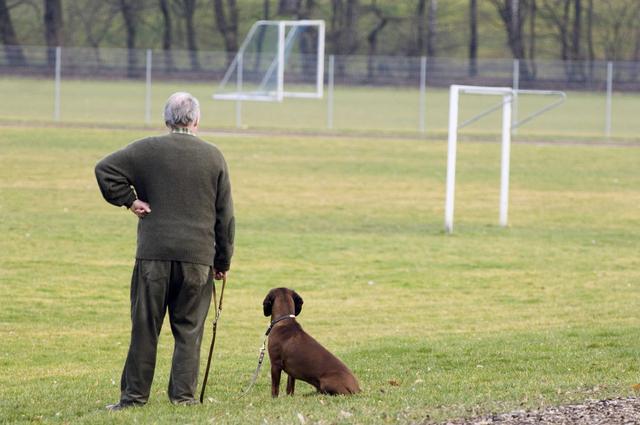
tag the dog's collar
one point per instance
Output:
(279, 319)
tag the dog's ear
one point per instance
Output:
(297, 300)
(267, 304)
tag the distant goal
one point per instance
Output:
(277, 59)
(507, 96)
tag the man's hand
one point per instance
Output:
(219, 275)
(140, 208)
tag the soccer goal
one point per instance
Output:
(507, 96)
(277, 59)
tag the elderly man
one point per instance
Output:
(178, 186)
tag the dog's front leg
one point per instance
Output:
(291, 384)
(276, 370)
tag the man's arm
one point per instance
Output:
(224, 226)
(114, 174)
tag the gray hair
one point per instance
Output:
(181, 110)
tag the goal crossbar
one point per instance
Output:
(508, 94)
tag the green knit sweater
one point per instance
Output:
(186, 183)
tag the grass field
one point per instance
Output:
(391, 110)
(435, 326)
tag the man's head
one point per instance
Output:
(182, 110)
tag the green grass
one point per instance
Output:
(392, 110)
(434, 326)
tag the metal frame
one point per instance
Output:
(508, 94)
(278, 64)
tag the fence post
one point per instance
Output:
(514, 100)
(607, 124)
(147, 104)
(423, 89)
(56, 97)
(330, 84)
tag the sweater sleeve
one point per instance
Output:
(115, 178)
(225, 223)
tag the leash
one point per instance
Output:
(215, 328)
(254, 378)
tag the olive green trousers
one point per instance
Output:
(184, 290)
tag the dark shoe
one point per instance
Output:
(121, 405)
(188, 402)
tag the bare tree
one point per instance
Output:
(372, 36)
(563, 27)
(578, 70)
(510, 12)
(432, 30)
(188, 8)
(636, 49)
(167, 35)
(590, 49)
(513, 14)
(576, 52)
(569, 31)
(130, 16)
(262, 31)
(515, 20)
(557, 13)
(12, 47)
(351, 19)
(533, 12)
(52, 27)
(227, 24)
(473, 37)
(344, 31)
(95, 18)
(419, 17)
(305, 10)
(288, 7)
(618, 20)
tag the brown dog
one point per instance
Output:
(293, 350)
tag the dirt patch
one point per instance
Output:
(592, 412)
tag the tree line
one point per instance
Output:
(570, 30)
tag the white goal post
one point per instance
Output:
(277, 59)
(507, 94)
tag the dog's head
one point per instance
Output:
(282, 301)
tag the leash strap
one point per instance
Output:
(254, 378)
(213, 339)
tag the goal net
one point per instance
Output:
(508, 96)
(277, 59)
